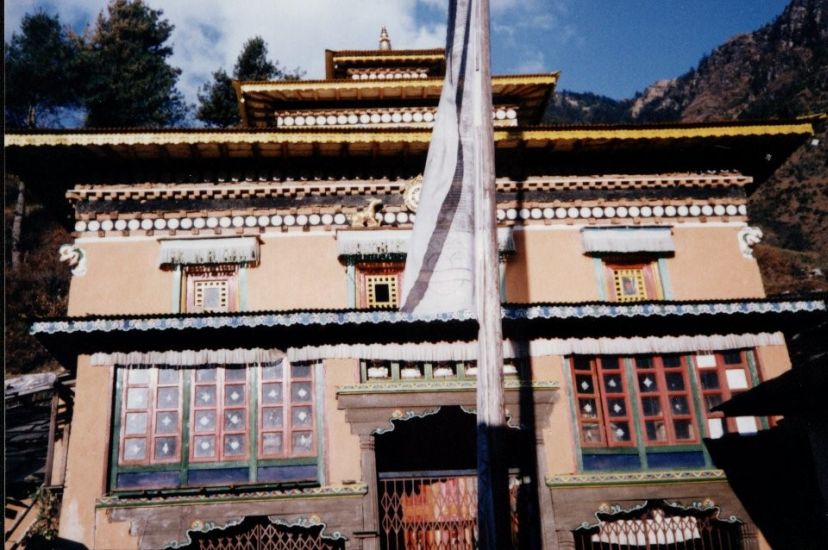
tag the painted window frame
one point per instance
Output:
(369, 274)
(645, 450)
(613, 407)
(194, 274)
(645, 268)
(723, 391)
(183, 467)
(664, 393)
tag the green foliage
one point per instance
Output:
(217, 99)
(128, 80)
(41, 71)
(38, 288)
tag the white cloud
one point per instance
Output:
(209, 33)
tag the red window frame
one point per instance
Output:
(214, 394)
(287, 411)
(714, 386)
(154, 383)
(649, 274)
(223, 273)
(365, 272)
(600, 383)
(665, 401)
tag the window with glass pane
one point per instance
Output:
(151, 416)
(602, 402)
(220, 421)
(721, 376)
(286, 411)
(664, 400)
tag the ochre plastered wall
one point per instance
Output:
(342, 452)
(122, 278)
(549, 266)
(709, 266)
(558, 435)
(297, 271)
(88, 452)
(772, 361)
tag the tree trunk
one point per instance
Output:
(19, 209)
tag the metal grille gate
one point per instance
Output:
(432, 512)
(260, 534)
(658, 526)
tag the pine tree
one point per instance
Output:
(217, 100)
(40, 72)
(129, 82)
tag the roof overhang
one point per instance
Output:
(258, 100)
(69, 337)
(252, 143)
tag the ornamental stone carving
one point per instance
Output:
(411, 193)
(749, 236)
(75, 257)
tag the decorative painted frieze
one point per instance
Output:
(195, 224)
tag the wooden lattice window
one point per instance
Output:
(151, 417)
(220, 421)
(633, 282)
(380, 284)
(211, 288)
(664, 399)
(721, 376)
(602, 401)
(286, 411)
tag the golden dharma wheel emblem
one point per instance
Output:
(411, 194)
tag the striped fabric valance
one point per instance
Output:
(395, 242)
(446, 351)
(188, 358)
(627, 240)
(231, 250)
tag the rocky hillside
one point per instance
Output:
(778, 71)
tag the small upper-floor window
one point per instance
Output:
(211, 288)
(633, 281)
(379, 284)
(630, 260)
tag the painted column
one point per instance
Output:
(370, 511)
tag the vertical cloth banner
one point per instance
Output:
(439, 268)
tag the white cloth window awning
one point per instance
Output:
(626, 240)
(382, 242)
(233, 250)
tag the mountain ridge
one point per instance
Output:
(777, 71)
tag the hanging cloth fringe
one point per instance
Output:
(233, 250)
(446, 351)
(598, 240)
(189, 358)
(467, 351)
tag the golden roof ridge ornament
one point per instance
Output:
(384, 42)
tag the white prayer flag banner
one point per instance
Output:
(439, 268)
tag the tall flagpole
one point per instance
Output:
(492, 480)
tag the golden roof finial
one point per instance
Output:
(385, 42)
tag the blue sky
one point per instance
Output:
(610, 47)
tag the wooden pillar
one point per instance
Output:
(547, 513)
(370, 512)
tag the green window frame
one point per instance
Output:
(233, 413)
